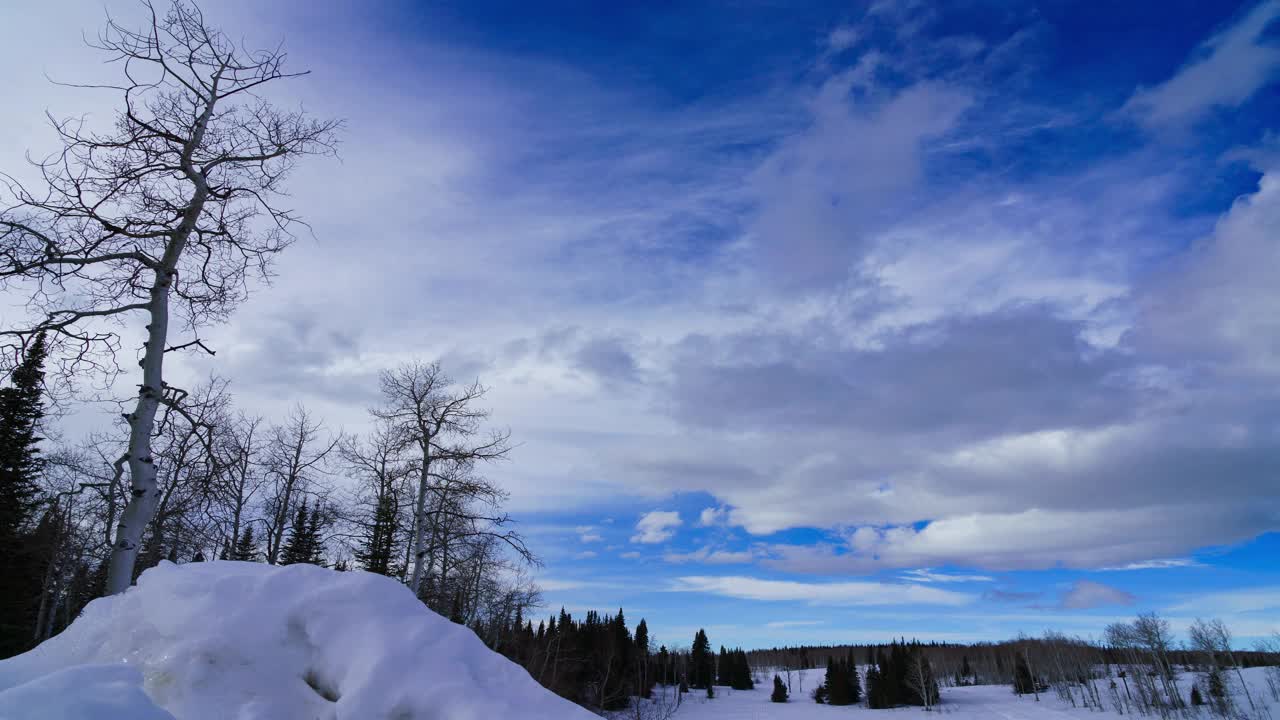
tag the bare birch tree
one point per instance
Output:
(295, 461)
(440, 420)
(169, 212)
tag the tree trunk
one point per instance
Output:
(144, 493)
(420, 513)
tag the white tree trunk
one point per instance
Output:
(420, 522)
(144, 490)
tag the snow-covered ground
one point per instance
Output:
(994, 702)
(249, 641)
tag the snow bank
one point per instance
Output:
(218, 640)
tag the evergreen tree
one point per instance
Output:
(22, 558)
(1023, 682)
(315, 537)
(295, 547)
(646, 676)
(21, 410)
(779, 690)
(377, 553)
(1196, 699)
(701, 670)
(820, 694)
(246, 548)
(837, 682)
(855, 682)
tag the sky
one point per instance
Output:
(812, 322)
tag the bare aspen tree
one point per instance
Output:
(295, 460)
(167, 213)
(240, 474)
(381, 497)
(441, 422)
(1213, 638)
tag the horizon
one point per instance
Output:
(812, 325)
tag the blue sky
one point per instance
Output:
(815, 322)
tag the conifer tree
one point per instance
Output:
(644, 676)
(22, 558)
(315, 539)
(779, 690)
(246, 548)
(701, 662)
(1023, 681)
(855, 681)
(21, 409)
(378, 552)
(837, 682)
(295, 548)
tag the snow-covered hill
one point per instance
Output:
(211, 641)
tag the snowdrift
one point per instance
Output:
(221, 640)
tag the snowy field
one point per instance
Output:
(962, 703)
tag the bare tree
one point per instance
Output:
(441, 422)
(1213, 638)
(168, 212)
(295, 462)
(239, 476)
(381, 498)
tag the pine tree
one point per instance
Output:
(1196, 698)
(645, 678)
(700, 661)
(315, 537)
(779, 690)
(246, 548)
(21, 410)
(837, 682)
(377, 554)
(855, 682)
(1023, 682)
(22, 561)
(298, 546)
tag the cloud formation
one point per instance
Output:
(836, 594)
(1087, 594)
(656, 526)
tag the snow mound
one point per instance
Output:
(218, 640)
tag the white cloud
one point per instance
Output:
(710, 557)
(1086, 594)
(794, 623)
(554, 584)
(927, 575)
(1156, 564)
(713, 516)
(1229, 68)
(1215, 304)
(836, 594)
(631, 555)
(1021, 540)
(588, 534)
(656, 526)
(585, 555)
(842, 38)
